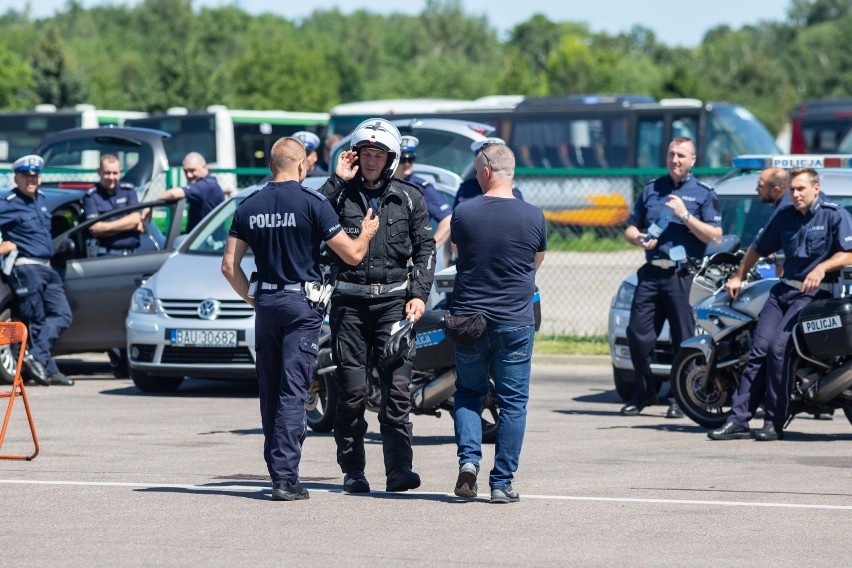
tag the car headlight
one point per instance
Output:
(144, 302)
(624, 297)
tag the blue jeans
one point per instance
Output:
(506, 350)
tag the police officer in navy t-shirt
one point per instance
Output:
(816, 236)
(38, 289)
(662, 292)
(284, 225)
(203, 193)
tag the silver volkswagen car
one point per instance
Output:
(186, 320)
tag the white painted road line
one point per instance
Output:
(257, 487)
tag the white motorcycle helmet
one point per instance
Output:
(379, 133)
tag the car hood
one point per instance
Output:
(187, 276)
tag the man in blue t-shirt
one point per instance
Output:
(284, 225)
(500, 242)
(203, 192)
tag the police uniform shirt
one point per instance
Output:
(203, 195)
(807, 239)
(700, 201)
(26, 222)
(99, 201)
(438, 207)
(284, 224)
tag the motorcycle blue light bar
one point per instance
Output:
(756, 162)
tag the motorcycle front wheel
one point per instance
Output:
(705, 400)
(321, 403)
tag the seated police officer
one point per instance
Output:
(284, 225)
(117, 235)
(312, 144)
(439, 210)
(373, 295)
(816, 236)
(25, 223)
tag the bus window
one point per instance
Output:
(747, 135)
(649, 142)
(541, 143)
(685, 127)
(190, 133)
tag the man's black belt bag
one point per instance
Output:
(465, 330)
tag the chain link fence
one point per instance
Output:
(586, 211)
(587, 256)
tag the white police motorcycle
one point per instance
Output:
(707, 367)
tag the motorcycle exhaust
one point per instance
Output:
(832, 384)
(435, 391)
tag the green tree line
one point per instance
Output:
(162, 53)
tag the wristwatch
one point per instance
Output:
(685, 217)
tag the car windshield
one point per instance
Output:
(80, 157)
(211, 236)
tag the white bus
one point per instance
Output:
(229, 139)
(22, 130)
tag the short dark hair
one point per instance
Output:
(810, 172)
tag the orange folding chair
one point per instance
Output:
(16, 332)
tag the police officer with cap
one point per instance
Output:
(284, 224)
(312, 144)
(373, 295)
(662, 292)
(816, 236)
(25, 221)
(470, 188)
(439, 210)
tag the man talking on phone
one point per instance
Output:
(373, 295)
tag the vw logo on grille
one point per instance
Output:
(209, 309)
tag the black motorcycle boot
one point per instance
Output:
(402, 478)
(356, 482)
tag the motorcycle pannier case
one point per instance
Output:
(434, 350)
(826, 326)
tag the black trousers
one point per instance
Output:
(360, 327)
(661, 294)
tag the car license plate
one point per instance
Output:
(203, 338)
(823, 324)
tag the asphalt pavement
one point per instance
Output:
(128, 479)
